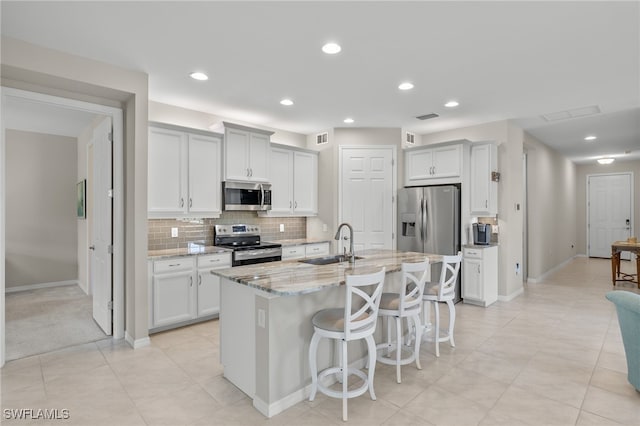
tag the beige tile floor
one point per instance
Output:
(552, 356)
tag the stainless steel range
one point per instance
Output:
(245, 242)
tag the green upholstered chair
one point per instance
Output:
(628, 307)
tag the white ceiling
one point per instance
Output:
(500, 60)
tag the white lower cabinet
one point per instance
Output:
(480, 275)
(293, 252)
(183, 289)
(316, 249)
(305, 250)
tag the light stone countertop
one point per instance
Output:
(291, 277)
(186, 251)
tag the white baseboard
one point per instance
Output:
(41, 285)
(544, 276)
(581, 255)
(511, 296)
(270, 410)
(136, 343)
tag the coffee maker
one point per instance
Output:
(481, 234)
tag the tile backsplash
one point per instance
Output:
(201, 230)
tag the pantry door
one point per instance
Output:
(610, 214)
(367, 196)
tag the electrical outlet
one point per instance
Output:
(174, 232)
(517, 268)
(282, 227)
(495, 229)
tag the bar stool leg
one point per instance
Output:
(436, 310)
(418, 331)
(398, 347)
(372, 364)
(345, 385)
(313, 364)
(452, 321)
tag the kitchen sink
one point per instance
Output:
(327, 260)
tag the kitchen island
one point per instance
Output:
(265, 322)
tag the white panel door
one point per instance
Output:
(204, 174)
(366, 196)
(480, 177)
(102, 226)
(447, 161)
(208, 293)
(418, 166)
(610, 212)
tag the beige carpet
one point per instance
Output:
(44, 320)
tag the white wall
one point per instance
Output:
(171, 114)
(551, 208)
(510, 193)
(41, 223)
(582, 170)
(328, 172)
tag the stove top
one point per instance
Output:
(243, 247)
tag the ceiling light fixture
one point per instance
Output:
(606, 160)
(199, 76)
(405, 86)
(590, 138)
(451, 104)
(348, 120)
(286, 102)
(331, 48)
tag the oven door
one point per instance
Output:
(246, 196)
(251, 257)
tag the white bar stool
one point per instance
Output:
(442, 291)
(346, 325)
(406, 304)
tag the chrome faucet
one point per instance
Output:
(351, 254)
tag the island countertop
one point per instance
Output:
(291, 277)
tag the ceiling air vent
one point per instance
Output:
(410, 138)
(572, 113)
(322, 138)
(427, 116)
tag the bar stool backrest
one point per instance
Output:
(449, 276)
(362, 321)
(414, 276)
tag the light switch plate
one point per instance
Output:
(282, 227)
(174, 232)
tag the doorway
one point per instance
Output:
(367, 195)
(61, 112)
(609, 212)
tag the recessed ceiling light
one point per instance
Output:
(331, 48)
(605, 160)
(590, 138)
(405, 86)
(286, 102)
(348, 120)
(451, 104)
(199, 76)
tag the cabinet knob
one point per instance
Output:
(181, 202)
(486, 204)
(199, 279)
(295, 204)
(190, 202)
(190, 281)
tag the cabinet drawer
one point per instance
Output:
(317, 249)
(221, 260)
(472, 253)
(173, 265)
(293, 252)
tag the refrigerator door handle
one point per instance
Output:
(421, 220)
(425, 220)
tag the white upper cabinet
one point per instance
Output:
(423, 165)
(246, 153)
(294, 182)
(167, 174)
(305, 183)
(184, 172)
(484, 190)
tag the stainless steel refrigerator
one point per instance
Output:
(429, 222)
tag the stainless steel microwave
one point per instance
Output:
(246, 196)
